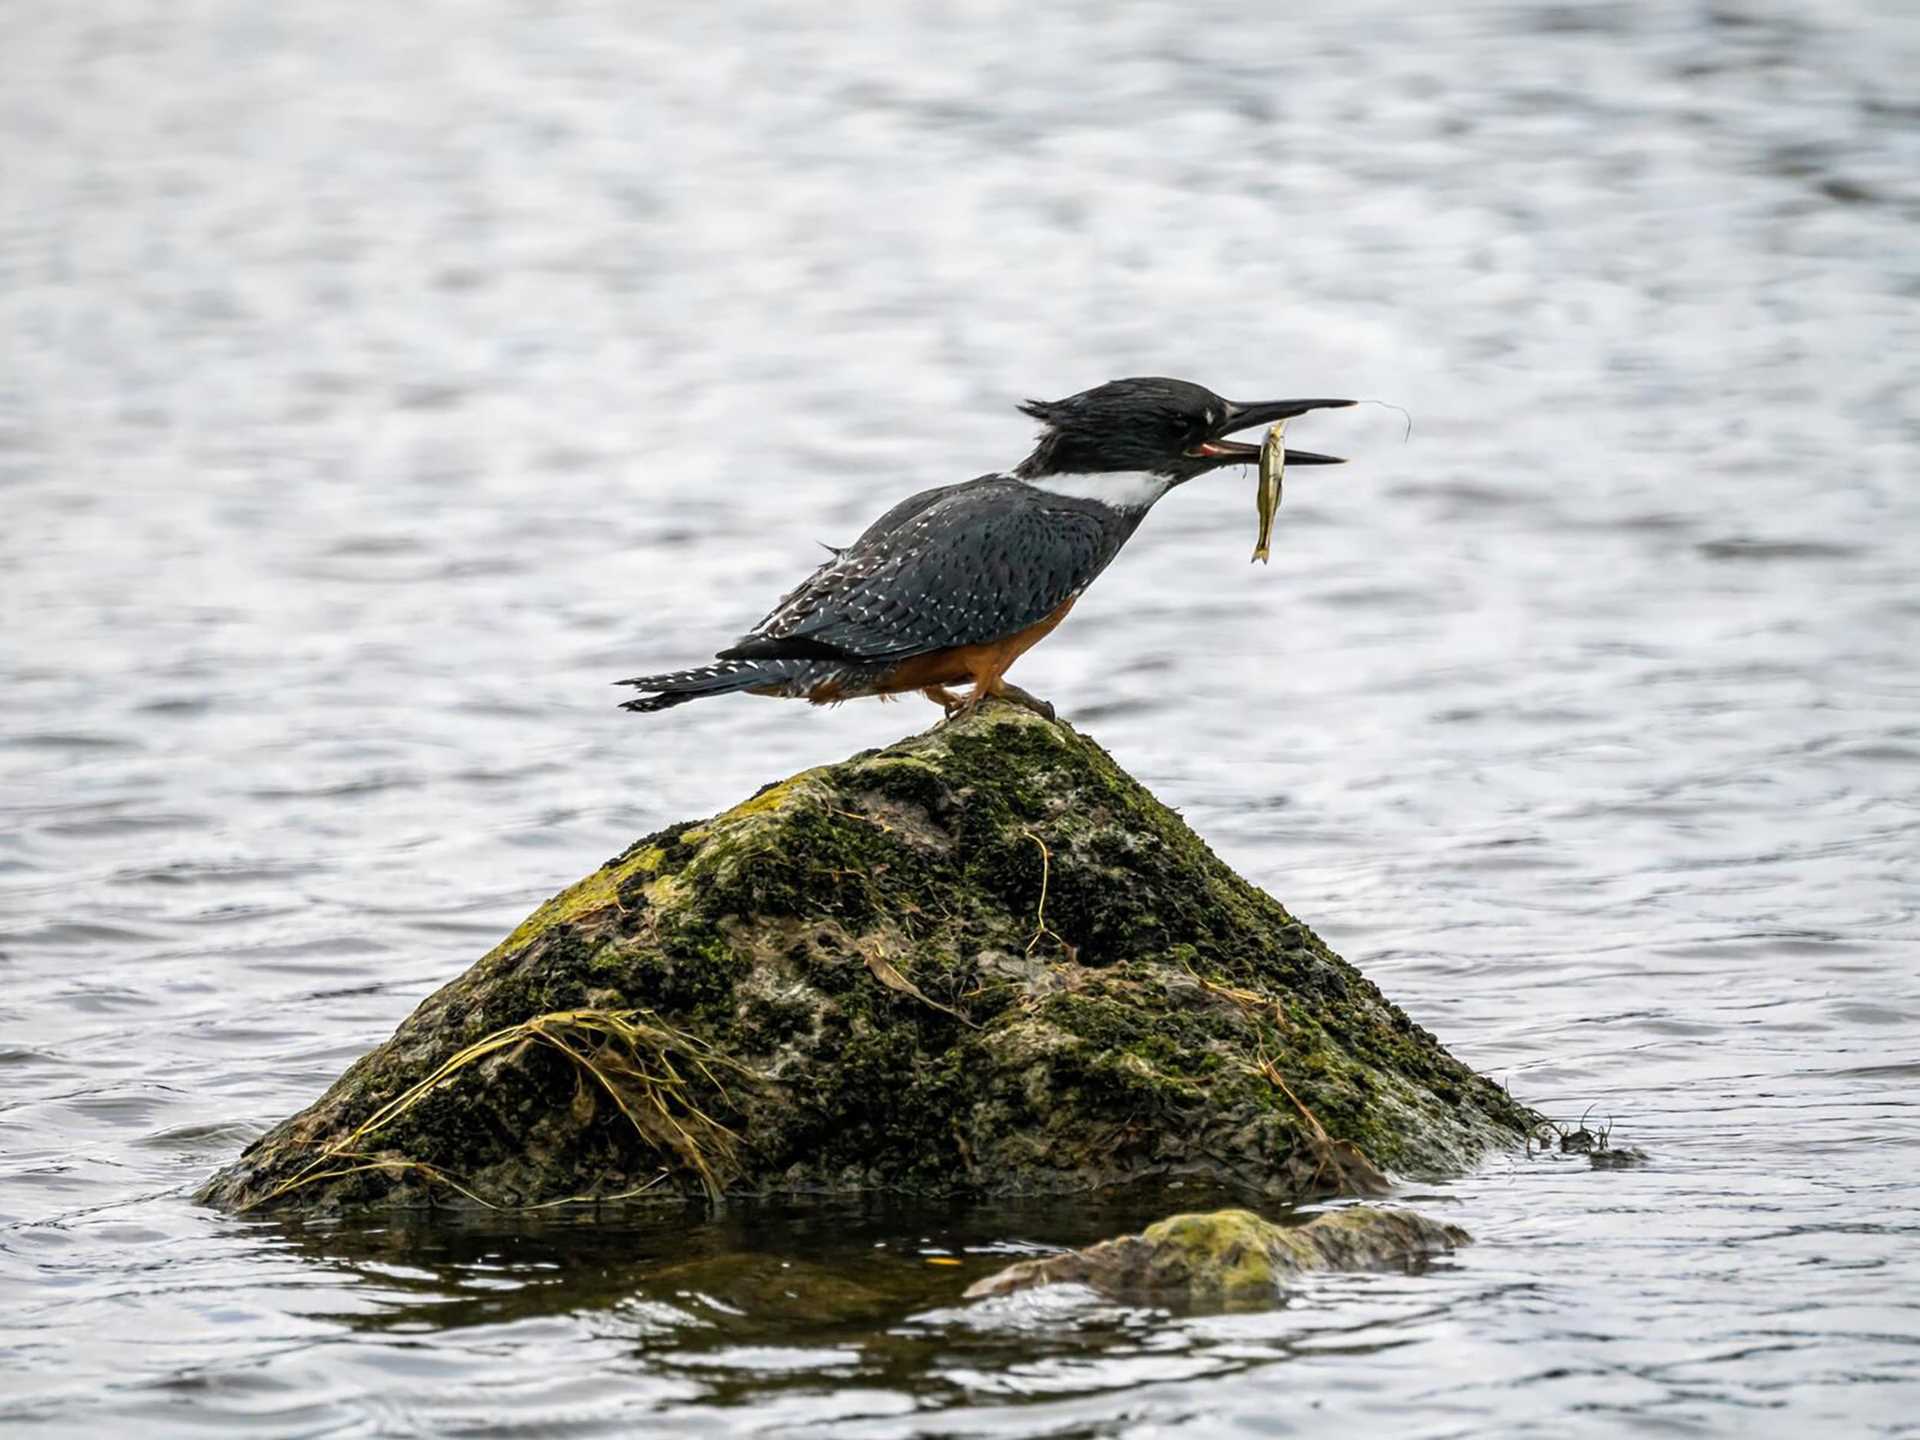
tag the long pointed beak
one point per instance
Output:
(1263, 412)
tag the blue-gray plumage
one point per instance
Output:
(955, 566)
(954, 584)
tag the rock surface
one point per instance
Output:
(983, 960)
(1233, 1256)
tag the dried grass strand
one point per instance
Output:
(1041, 930)
(629, 1054)
(884, 970)
(1347, 1164)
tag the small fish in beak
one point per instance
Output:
(1273, 463)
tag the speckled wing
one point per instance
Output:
(963, 566)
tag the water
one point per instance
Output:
(379, 382)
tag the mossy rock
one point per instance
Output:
(984, 960)
(1233, 1257)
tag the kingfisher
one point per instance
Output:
(952, 585)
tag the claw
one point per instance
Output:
(1017, 696)
(958, 707)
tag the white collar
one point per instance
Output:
(1116, 489)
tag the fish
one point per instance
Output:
(1273, 463)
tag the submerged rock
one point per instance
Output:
(983, 960)
(1627, 1158)
(1228, 1256)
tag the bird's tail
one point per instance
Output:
(723, 677)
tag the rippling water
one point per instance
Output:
(377, 382)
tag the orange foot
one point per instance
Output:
(958, 708)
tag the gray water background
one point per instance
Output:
(378, 382)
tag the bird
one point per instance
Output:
(954, 584)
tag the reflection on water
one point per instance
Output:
(379, 383)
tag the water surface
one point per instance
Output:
(378, 382)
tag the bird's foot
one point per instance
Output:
(943, 697)
(959, 707)
(1027, 701)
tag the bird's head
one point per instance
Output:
(1148, 426)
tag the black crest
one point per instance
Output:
(1143, 423)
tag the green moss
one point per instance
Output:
(597, 892)
(1234, 1258)
(1083, 1051)
(1225, 1255)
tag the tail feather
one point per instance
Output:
(721, 678)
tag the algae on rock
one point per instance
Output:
(1233, 1256)
(983, 960)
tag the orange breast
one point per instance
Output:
(982, 664)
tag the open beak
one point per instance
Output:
(1218, 448)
